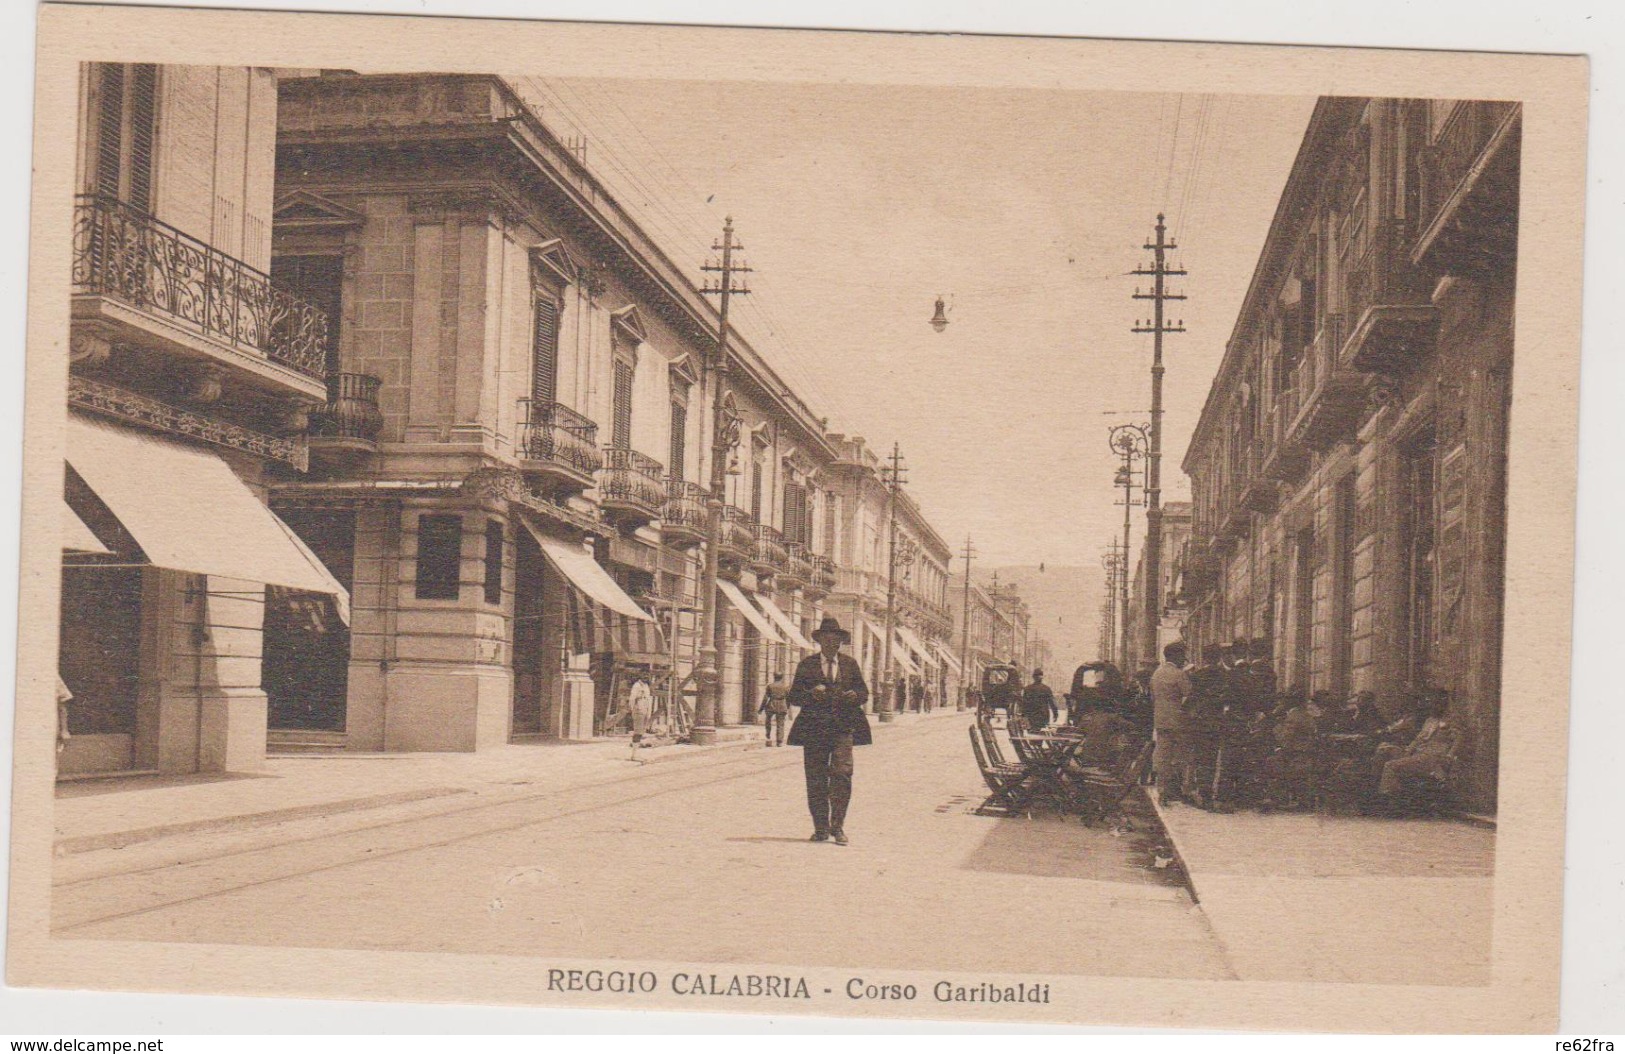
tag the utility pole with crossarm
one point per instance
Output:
(724, 434)
(1157, 325)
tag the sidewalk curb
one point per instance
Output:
(244, 821)
(1173, 843)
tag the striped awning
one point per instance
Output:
(750, 611)
(785, 623)
(917, 646)
(899, 654)
(601, 617)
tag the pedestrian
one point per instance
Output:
(830, 690)
(1038, 703)
(641, 702)
(1170, 696)
(776, 708)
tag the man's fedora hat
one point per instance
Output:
(831, 627)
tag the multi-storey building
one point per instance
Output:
(191, 375)
(514, 453)
(400, 312)
(1348, 469)
(1176, 532)
(922, 647)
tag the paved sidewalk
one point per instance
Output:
(118, 811)
(1314, 897)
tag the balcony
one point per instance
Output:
(797, 569)
(557, 448)
(145, 285)
(631, 487)
(1198, 571)
(347, 426)
(1469, 209)
(767, 552)
(1390, 303)
(821, 580)
(738, 540)
(683, 517)
(1330, 397)
(1257, 493)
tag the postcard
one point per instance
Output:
(915, 526)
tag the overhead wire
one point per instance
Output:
(688, 231)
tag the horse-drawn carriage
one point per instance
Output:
(1096, 686)
(1001, 688)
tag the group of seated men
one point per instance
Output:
(1227, 738)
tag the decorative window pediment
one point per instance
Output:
(302, 209)
(683, 371)
(551, 263)
(628, 325)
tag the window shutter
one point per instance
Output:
(679, 439)
(110, 130)
(756, 491)
(143, 121)
(621, 433)
(544, 379)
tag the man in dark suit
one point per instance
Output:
(830, 691)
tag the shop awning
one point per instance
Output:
(752, 614)
(786, 624)
(188, 511)
(77, 537)
(948, 657)
(923, 654)
(899, 655)
(602, 618)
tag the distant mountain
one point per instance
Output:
(1065, 605)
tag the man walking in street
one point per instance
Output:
(830, 690)
(776, 709)
(1170, 692)
(1038, 703)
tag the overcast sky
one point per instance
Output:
(859, 204)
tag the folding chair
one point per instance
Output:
(1012, 786)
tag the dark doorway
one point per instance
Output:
(99, 658)
(532, 683)
(306, 666)
(1419, 556)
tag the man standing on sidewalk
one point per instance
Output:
(1170, 691)
(830, 691)
(776, 709)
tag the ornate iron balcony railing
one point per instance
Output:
(767, 547)
(628, 476)
(352, 408)
(554, 432)
(798, 567)
(823, 573)
(123, 253)
(684, 506)
(736, 530)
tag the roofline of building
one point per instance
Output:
(603, 210)
(1302, 188)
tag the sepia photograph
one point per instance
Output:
(895, 525)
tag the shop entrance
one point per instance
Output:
(305, 671)
(533, 710)
(99, 659)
